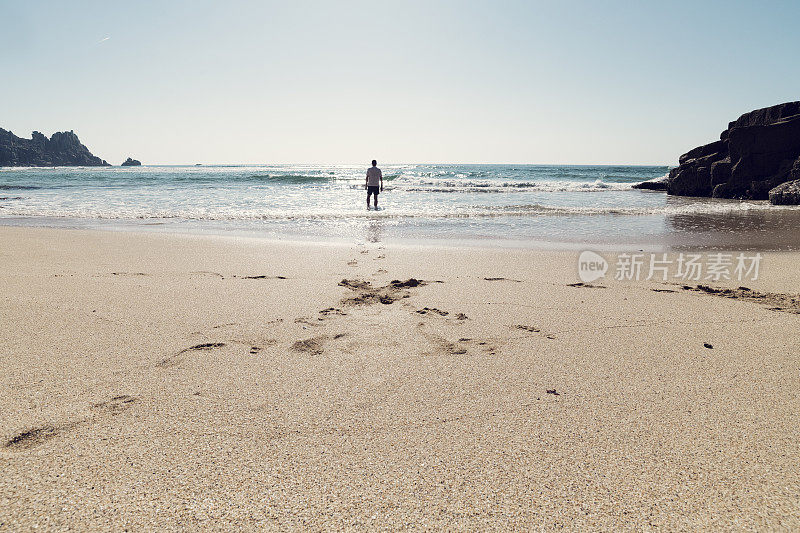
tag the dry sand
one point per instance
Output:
(184, 382)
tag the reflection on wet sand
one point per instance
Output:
(374, 230)
(745, 229)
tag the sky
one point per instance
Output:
(562, 82)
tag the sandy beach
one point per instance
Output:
(178, 382)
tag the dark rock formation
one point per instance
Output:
(759, 151)
(659, 184)
(62, 149)
(131, 163)
(786, 194)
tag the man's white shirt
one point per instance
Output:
(374, 176)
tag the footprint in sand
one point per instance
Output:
(261, 276)
(367, 294)
(115, 405)
(432, 311)
(455, 349)
(444, 347)
(176, 358)
(533, 329)
(312, 346)
(786, 303)
(484, 345)
(331, 312)
(254, 345)
(439, 312)
(308, 321)
(352, 263)
(586, 285)
(31, 438)
(226, 325)
(206, 273)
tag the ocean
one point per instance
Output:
(504, 205)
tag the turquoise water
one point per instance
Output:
(506, 204)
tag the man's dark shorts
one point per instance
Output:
(373, 190)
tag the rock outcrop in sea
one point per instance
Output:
(63, 148)
(786, 194)
(659, 184)
(756, 153)
(131, 163)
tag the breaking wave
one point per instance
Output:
(501, 186)
(219, 213)
(19, 187)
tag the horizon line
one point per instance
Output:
(406, 163)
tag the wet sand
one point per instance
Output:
(184, 382)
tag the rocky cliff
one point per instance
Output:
(756, 153)
(131, 163)
(61, 149)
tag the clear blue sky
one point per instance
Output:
(402, 81)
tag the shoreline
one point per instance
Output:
(724, 235)
(227, 382)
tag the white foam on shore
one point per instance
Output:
(502, 186)
(232, 213)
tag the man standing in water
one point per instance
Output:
(374, 178)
